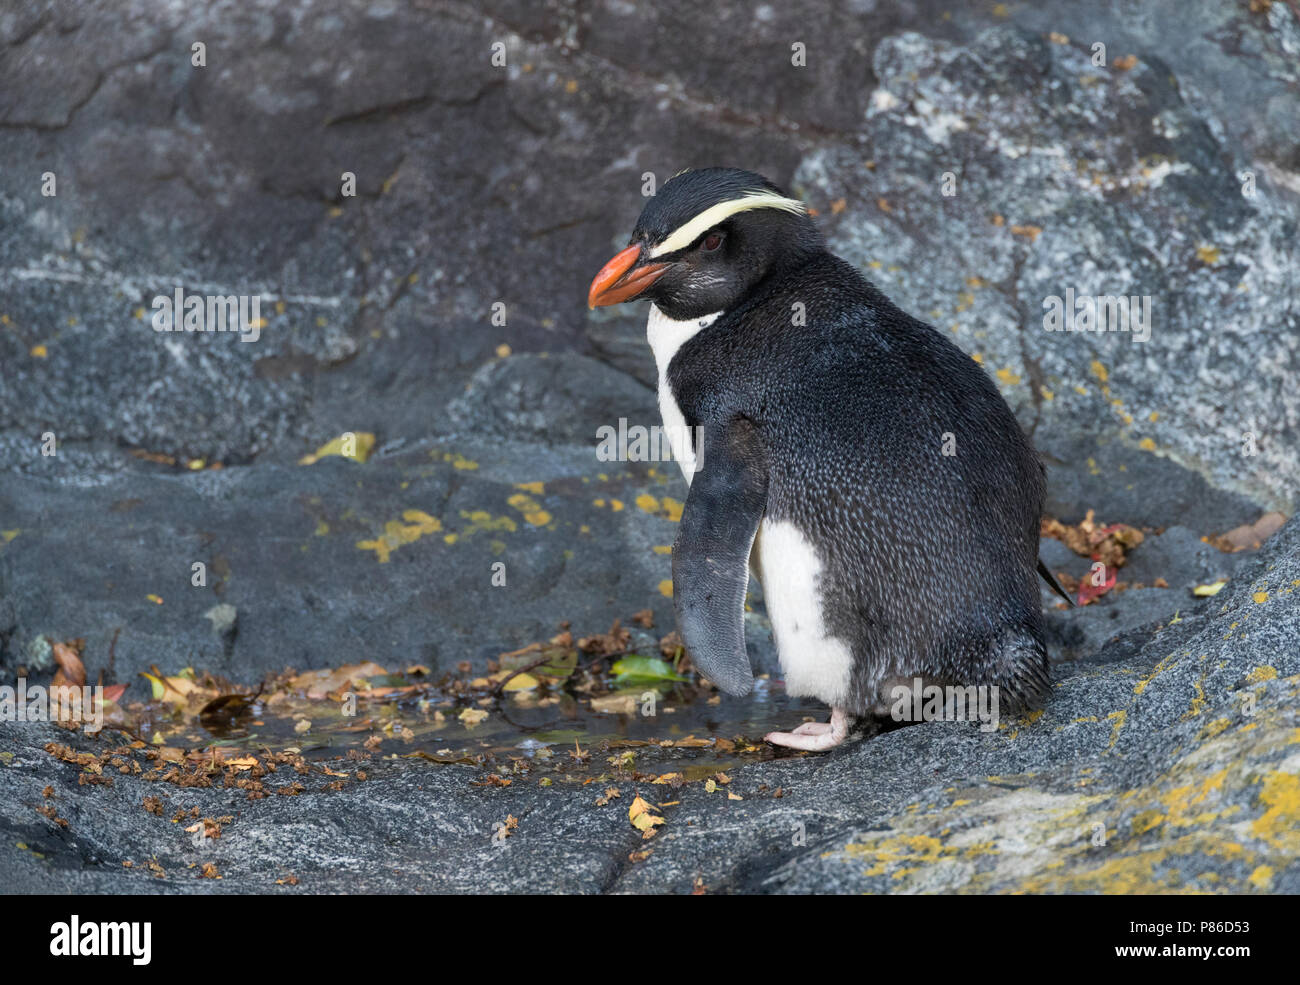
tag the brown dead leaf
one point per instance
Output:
(209, 827)
(611, 644)
(690, 742)
(1109, 544)
(1249, 536)
(672, 644)
(319, 683)
(71, 672)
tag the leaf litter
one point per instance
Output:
(584, 711)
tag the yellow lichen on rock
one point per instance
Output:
(413, 525)
(531, 509)
(353, 445)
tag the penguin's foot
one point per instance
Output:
(812, 728)
(815, 736)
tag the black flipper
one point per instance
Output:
(1051, 580)
(711, 555)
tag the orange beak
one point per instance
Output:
(621, 279)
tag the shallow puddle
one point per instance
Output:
(552, 727)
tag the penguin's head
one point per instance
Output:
(704, 241)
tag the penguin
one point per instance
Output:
(852, 457)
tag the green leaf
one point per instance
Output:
(159, 688)
(635, 668)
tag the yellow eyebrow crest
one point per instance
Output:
(689, 232)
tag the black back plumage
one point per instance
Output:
(928, 559)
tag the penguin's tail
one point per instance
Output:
(1023, 675)
(1053, 583)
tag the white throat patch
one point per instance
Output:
(666, 336)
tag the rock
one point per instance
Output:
(335, 562)
(1172, 771)
(554, 401)
(1049, 200)
(1094, 632)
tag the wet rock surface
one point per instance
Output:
(1172, 770)
(488, 191)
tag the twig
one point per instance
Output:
(112, 651)
(536, 663)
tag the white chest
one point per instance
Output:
(815, 663)
(666, 336)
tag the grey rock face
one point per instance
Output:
(1068, 177)
(1173, 770)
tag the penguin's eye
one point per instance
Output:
(711, 242)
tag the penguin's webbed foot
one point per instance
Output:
(815, 736)
(810, 728)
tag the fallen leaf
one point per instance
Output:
(636, 669)
(71, 672)
(225, 709)
(358, 448)
(1088, 592)
(176, 689)
(608, 644)
(319, 683)
(615, 704)
(1249, 536)
(113, 692)
(522, 682)
(642, 818)
(472, 716)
